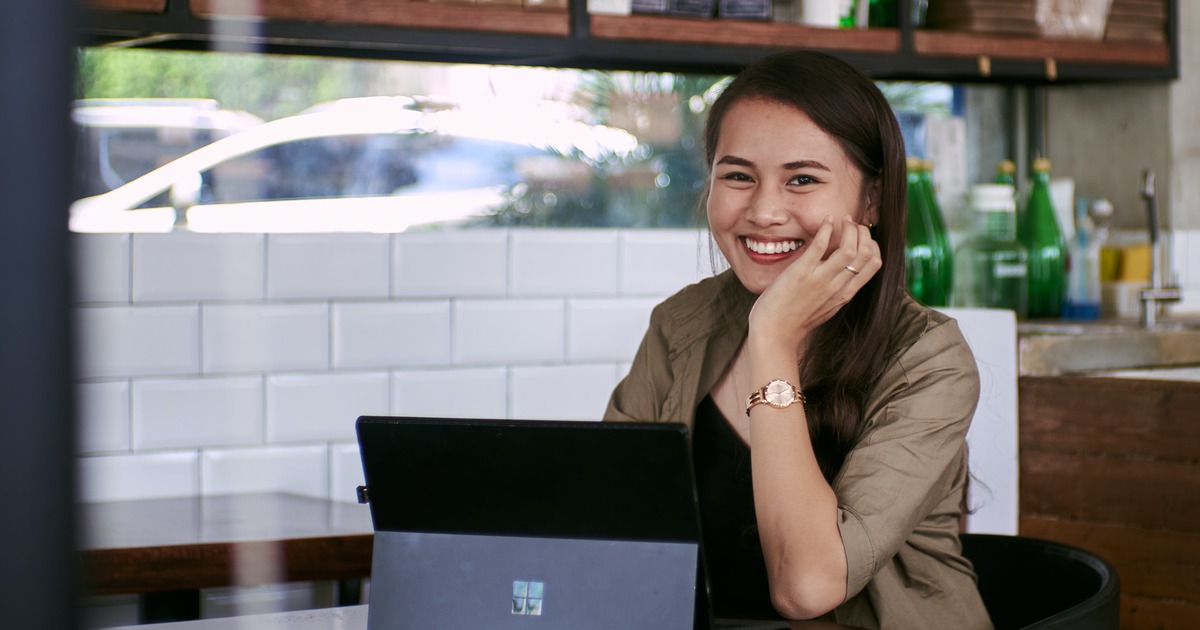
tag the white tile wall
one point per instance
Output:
(317, 407)
(444, 264)
(345, 472)
(278, 343)
(105, 276)
(296, 469)
(325, 266)
(184, 265)
(119, 341)
(461, 393)
(139, 476)
(573, 392)
(265, 337)
(606, 329)
(382, 334)
(103, 418)
(196, 412)
(1186, 266)
(660, 262)
(512, 331)
(564, 262)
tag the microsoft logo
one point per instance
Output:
(527, 598)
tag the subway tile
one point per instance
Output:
(265, 337)
(197, 412)
(117, 341)
(606, 330)
(103, 417)
(327, 266)
(1189, 273)
(385, 334)
(508, 331)
(564, 262)
(345, 472)
(456, 263)
(101, 267)
(296, 469)
(185, 265)
(454, 393)
(660, 262)
(572, 392)
(317, 407)
(139, 476)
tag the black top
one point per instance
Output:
(737, 571)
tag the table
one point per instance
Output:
(168, 549)
(344, 618)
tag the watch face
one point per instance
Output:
(780, 394)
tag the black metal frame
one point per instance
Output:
(177, 28)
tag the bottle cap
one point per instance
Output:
(913, 164)
(993, 198)
(1041, 165)
(1007, 166)
(927, 165)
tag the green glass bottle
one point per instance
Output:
(1042, 237)
(992, 265)
(924, 253)
(1006, 172)
(937, 223)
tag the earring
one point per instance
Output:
(870, 225)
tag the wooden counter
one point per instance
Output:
(1112, 465)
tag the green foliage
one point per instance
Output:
(269, 86)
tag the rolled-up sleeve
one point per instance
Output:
(911, 455)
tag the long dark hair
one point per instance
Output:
(846, 355)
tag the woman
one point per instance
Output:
(853, 399)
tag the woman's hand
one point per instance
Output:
(817, 284)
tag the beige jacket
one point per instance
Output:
(900, 489)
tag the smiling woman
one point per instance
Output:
(232, 363)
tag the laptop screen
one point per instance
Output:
(630, 481)
(504, 524)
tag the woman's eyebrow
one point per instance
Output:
(799, 164)
(735, 160)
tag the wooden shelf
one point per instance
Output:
(399, 13)
(494, 32)
(648, 28)
(961, 44)
(144, 6)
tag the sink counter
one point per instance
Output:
(1063, 348)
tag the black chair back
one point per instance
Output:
(1029, 584)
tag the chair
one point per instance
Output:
(1033, 584)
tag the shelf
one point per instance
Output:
(497, 33)
(960, 44)
(497, 17)
(144, 6)
(742, 33)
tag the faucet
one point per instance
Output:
(1159, 291)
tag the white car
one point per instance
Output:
(362, 165)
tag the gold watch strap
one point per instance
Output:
(759, 396)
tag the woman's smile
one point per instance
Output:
(772, 249)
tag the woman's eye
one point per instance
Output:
(736, 177)
(802, 180)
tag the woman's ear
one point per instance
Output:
(874, 194)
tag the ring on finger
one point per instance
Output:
(852, 270)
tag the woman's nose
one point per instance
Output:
(767, 208)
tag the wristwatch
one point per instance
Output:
(779, 394)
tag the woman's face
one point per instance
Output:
(775, 176)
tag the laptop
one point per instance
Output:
(511, 524)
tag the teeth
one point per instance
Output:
(773, 247)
